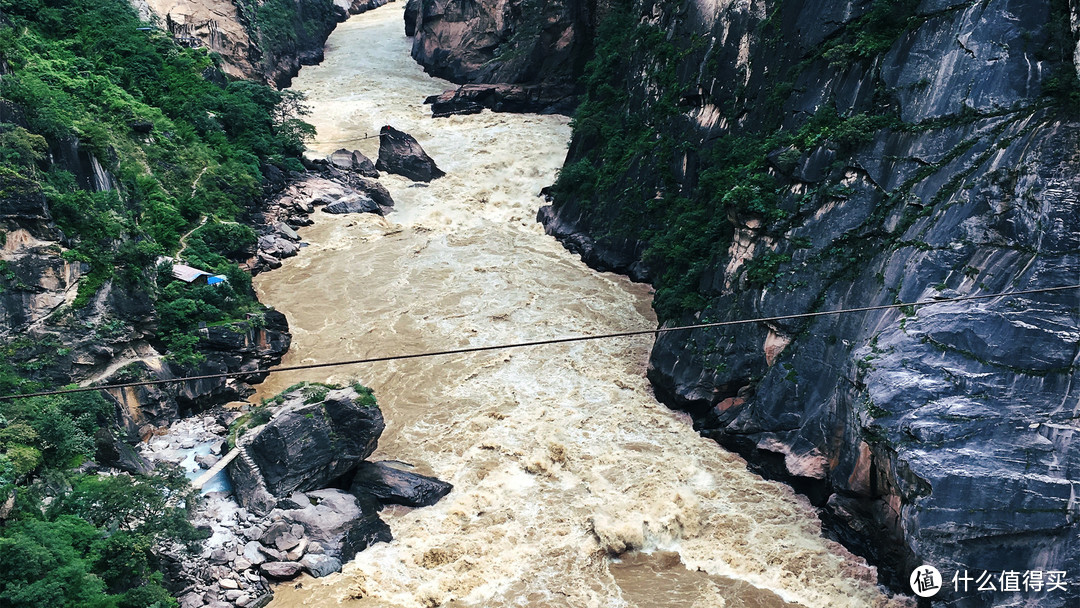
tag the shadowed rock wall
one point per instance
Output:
(934, 153)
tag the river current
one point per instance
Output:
(573, 486)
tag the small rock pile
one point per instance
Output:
(343, 183)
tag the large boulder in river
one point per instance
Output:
(320, 565)
(394, 486)
(400, 153)
(339, 522)
(306, 446)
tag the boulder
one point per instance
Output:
(329, 517)
(281, 570)
(320, 565)
(272, 554)
(362, 534)
(307, 445)
(253, 554)
(286, 231)
(205, 461)
(276, 246)
(354, 203)
(400, 153)
(353, 160)
(377, 192)
(275, 533)
(394, 486)
(113, 452)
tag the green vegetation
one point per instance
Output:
(874, 32)
(367, 395)
(281, 26)
(1062, 86)
(181, 147)
(187, 150)
(311, 392)
(684, 231)
(91, 543)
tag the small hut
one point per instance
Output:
(194, 276)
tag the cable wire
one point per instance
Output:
(565, 340)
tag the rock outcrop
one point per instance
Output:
(307, 446)
(390, 485)
(400, 153)
(843, 155)
(357, 203)
(473, 98)
(215, 24)
(234, 30)
(534, 52)
(340, 187)
(501, 41)
(271, 539)
(353, 160)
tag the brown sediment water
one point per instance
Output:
(573, 486)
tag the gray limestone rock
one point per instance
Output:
(354, 203)
(253, 554)
(320, 565)
(306, 446)
(353, 160)
(363, 533)
(327, 520)
(941, 435)
(281, 570)
(377, 192)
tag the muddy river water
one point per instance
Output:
(573, 486)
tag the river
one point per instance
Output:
(573, 486)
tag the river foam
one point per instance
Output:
(573, 486)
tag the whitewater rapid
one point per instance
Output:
(573, 486)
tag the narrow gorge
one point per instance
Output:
(560, 458)
(184, 191)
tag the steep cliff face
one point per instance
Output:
(542, 46)
(213, 24)
(755, 159)
(264, 40)
(502, 41)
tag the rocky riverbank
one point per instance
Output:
(298, 497)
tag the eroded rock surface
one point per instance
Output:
(391, 485)
(942, 435)
(306, 446)
(400, 153)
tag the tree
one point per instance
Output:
(43, 565)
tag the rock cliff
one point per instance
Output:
(534, 51)
(754, 159)
(265, 40)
